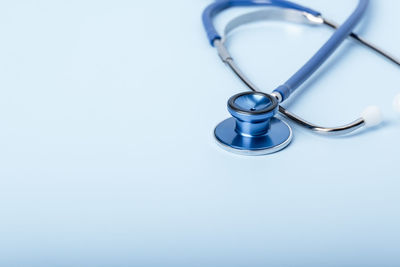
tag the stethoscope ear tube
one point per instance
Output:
(253, 128)
(215, 8)
(370, 117)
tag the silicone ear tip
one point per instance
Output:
(396, 103)
(372, 116)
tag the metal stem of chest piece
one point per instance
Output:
(293, 17)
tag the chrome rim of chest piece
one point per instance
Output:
(253, 129)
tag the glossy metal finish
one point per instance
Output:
(278, 138)
(227, 58)
(341, 130)
(277, 14)
(366, 43)
(248, 18)
(253, 129)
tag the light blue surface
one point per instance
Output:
(107, 156)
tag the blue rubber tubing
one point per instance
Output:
(323, 54)
(217, 7)
(316, 61)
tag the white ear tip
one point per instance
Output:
(396, 103)
(372, 116)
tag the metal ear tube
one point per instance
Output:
(253, 128)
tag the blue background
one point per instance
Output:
(107, 156)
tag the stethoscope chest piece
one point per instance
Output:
(253, 128)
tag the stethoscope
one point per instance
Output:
(254, 128)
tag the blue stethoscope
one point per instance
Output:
(254, 128)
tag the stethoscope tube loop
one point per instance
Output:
(215, 8)
(297, 17)
(257, 132)
(340, 130)
(286, 89)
